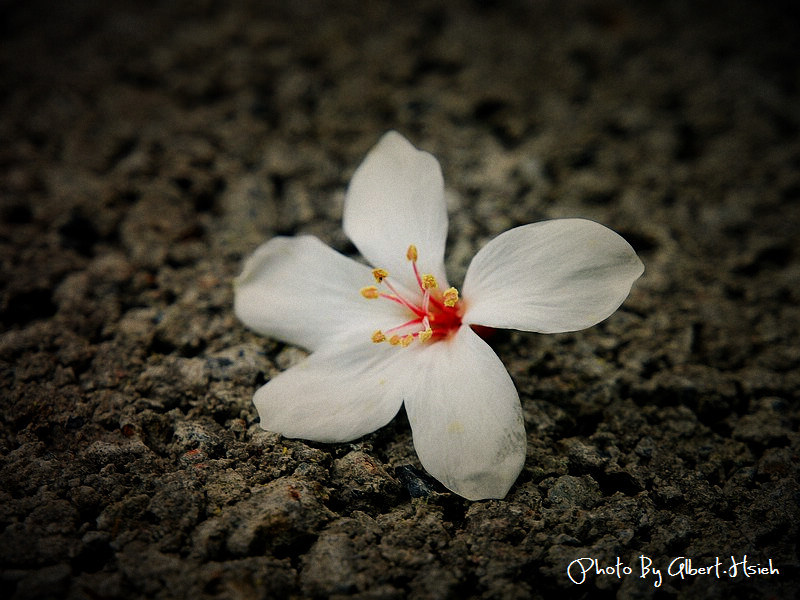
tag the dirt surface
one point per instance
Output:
(148, 147)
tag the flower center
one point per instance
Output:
(434, 314)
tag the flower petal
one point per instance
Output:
(342, 391)
(396, 198)
(550, 277)
(300, 291)
(466, 418)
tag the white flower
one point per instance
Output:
(399, 334)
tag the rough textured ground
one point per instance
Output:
(148, 147)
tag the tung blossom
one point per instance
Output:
(399, 334)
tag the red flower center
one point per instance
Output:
(434, 314)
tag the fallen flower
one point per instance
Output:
(400, 334)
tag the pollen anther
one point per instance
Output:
(370, 292)
(432, 314)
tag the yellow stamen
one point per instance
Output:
(411, 253)
(370, 292)
(378, 336)
(394, 340)
(451, 297)
(406, 340)
(425, 335)
(380, 274)
(429, 282)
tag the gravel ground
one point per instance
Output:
(148, 147)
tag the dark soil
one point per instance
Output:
(148, 147)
